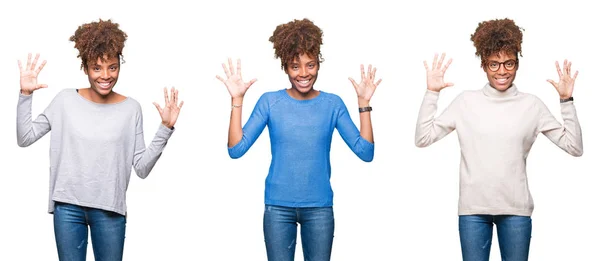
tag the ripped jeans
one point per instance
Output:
(514, 236)
(316, 231)
(71, 233)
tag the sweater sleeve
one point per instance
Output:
(351, 135)
(430, 129)
(567, 136)
(28, 130)
(252, 129)
(144, 158)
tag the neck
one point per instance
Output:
(91, 95)
(302, 96)
(490, 91)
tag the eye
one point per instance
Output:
(96, 69)
(113, 68)
(494, 64)
(311, 66)
(294, 67)
(510, 63)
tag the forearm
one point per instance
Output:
(235, 122)
(29, 131)
(429, 129)
(569, 137)
(366, 128)
(146, 158)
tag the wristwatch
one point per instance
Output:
(566, 100)
(365, 109)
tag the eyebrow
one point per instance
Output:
(502, 61)
(114, 64)
(297, 63)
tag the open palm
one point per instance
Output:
(170, 112)
(234, 83)
(367, 86)
(29, 74)
(566, 83)
(435, 75)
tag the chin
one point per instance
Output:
(103, 92)
(304, 90)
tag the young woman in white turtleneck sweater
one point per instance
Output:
(496, 127)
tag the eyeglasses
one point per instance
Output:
(509, 65)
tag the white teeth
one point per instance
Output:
(104, 84)
(502, 80)
(304, 82)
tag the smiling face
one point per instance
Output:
(103, 76)
(506, 65)
(303, 72)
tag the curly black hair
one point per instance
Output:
(99, 39)
(295, 38)
(495, 36)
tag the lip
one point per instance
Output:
(503, 80)
(304, 83)
(104, 85)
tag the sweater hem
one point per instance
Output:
(89, 205)
(495, 212)
(299, 204)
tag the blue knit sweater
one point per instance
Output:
(300, 132)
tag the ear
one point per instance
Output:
(85, 70)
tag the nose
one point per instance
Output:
(105, 74)
(303, 71)
(502, 69)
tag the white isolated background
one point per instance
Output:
(198, 204)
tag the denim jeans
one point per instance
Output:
(514, 235)
(71, 232)
(316, 230)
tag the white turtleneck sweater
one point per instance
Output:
(496, 131)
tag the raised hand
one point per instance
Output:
(435, 76)
(235, 85)
(29, 75)
(367, 86)
(566, 83)
(170, 112)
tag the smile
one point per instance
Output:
(303, 83)
(502, 80)
(104, 85)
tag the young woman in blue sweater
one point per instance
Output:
(301, 121)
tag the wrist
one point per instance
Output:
(433, 90)
(26, 92)
(237, 100)
(167, 125)
(363, 103)
(566, 99)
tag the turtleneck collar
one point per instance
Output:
(490, 91)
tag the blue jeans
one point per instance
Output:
(71, 232)
(316, 230)
(514, 235)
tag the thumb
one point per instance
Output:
(157, 108)
(251, 82)
(353, 82)
(553, 83)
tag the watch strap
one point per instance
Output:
(365, 109)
